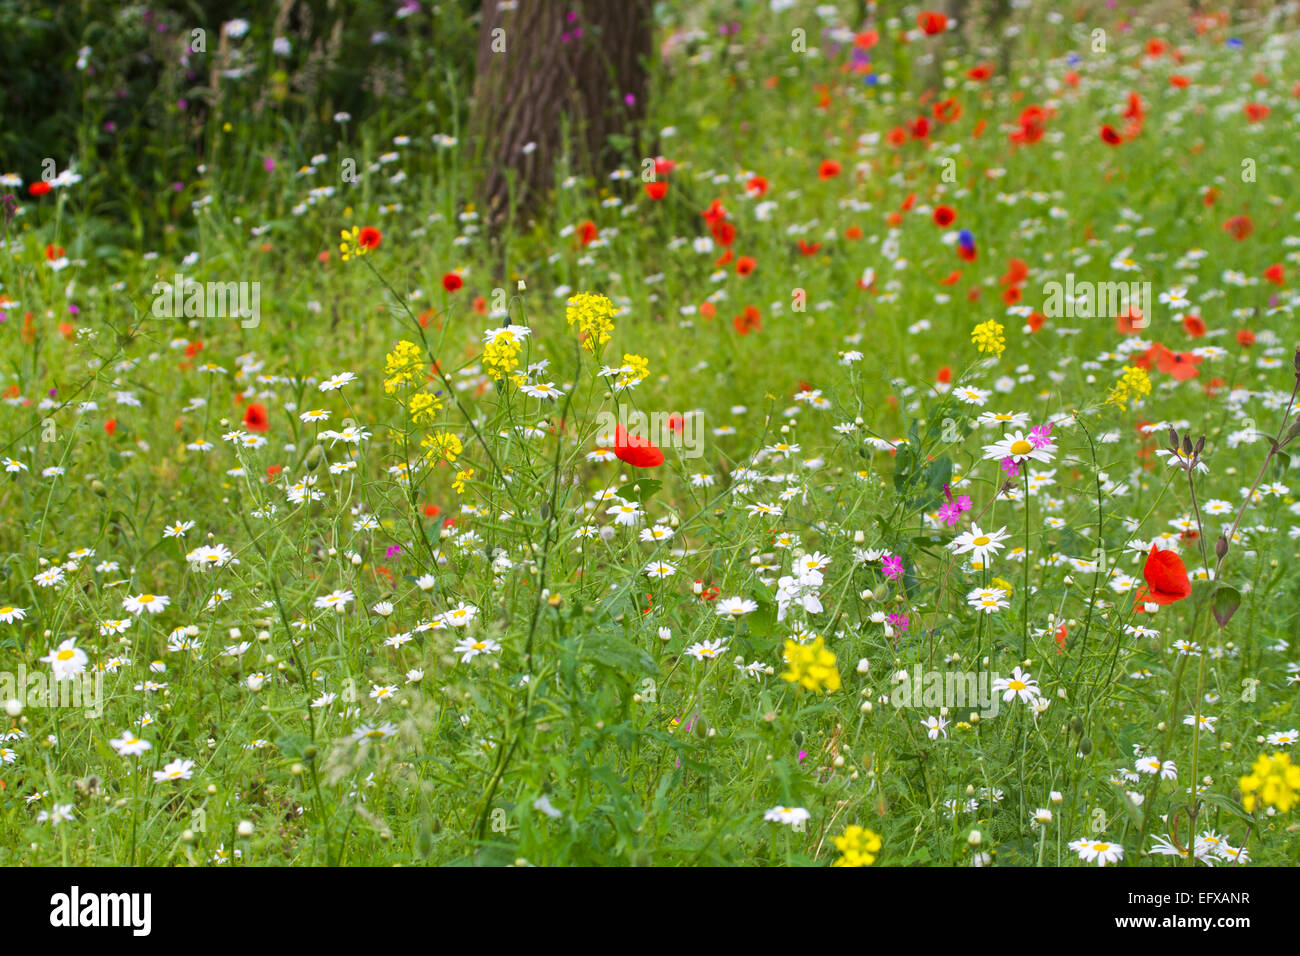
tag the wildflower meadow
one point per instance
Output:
(880, 452)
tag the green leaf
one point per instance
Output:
(1232, 806)
(1225, 603)
(613, 651)
(640, 490)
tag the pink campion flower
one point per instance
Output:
(899, 622)
(1040, 436)
(952, 508)
(1010, 467)
(892, 566)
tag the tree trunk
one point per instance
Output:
(546, 62)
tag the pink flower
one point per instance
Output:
(1040, 436)
(1009, 466)
(892, 566)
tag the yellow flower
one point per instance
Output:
(1134, 383)
(988, 336)
(638, 368)
(461, 478)
(443, 446)
(1272, 781)
(351, 244)
(594, 315)
(501, 350)
(403, 366)
(811, 666)
(859, 846)
(424, 406)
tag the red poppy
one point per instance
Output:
(724, 232)
(1071, 79)
(944, 216)
(635, 450)
(897, 136)
(1245, 338)
(1179, 81)
(1127, 324)
(587, 232)
(272, 472)
(1035, 321)
(432, 511)
(828, 169)
(39, 188)
(369, 237)
(931, 22)
(1166, 578)
(255, 419)
(1181, 365)
(110, 426)
(1032, 124)
(919, 127)
(946, 111)
(1194, 325)
(853, 232)
(1240, 227)
(981, 72)
(1274, 274)
(866, 39)
(745, 265)
(1110, 136)
(751, 320)
(451, 282)
(1134, 111)
(756, 186)
(1017, 272)
(1011, 294)
(952, 278)
(53, 252)
(1211, 195)
(664, 167)
(967, 253)
(1155, 47)
(715, 212)
(809, 248)
(944, 376)
(723, 259)
(908, 203)
(656, 190)
(1256, 112)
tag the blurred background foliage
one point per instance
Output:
(135, 97)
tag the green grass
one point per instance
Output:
(586, 734)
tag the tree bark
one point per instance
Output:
(580, 62)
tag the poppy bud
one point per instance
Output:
(314, 457)
(1076, 726)
(1221, 547)
(98, 488)
(1085, 746)
(701, 729)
